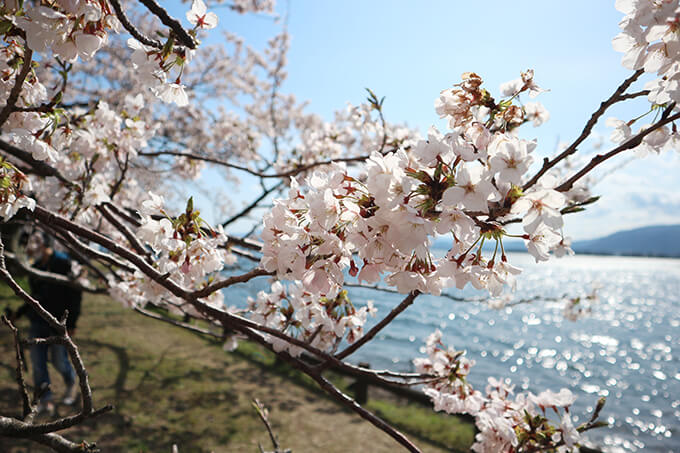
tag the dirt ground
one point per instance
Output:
(169, 387)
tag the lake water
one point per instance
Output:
(627, 349)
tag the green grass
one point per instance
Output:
(451, 433)
(171, 386)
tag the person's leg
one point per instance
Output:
(61, 361)
(41, 377)
(63, 364)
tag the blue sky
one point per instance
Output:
(409, 51)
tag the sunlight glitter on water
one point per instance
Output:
(623, 351)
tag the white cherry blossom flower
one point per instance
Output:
(199, 17)
(541, 241)
(473, 191)
(542, 207)
(172, 92)
(536, 113)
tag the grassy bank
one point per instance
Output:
(170, 386)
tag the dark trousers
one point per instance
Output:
(39, 358)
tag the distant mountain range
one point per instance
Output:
(658, 240)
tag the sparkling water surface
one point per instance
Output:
(627, 349)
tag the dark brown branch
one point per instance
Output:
(227, 319)
(208, 290)
(284, 174)
(176, 323)
(637, 94)
(363, 413)
(134, 221)
(51, 276)
(368, 336)
(170, 22)
(19, 371)
(49, 107)
(138, 35)
(250, 328)
(345, 400)
(18, 85)
(81, 258)
(629, 144)
(8, 427)
(38, 167)
(89, 251)
(571, 149)
(252, 205)
(246, 243)
(58, 221)
(129, 235)
(204, 159)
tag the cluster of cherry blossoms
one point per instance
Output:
(92, 147)
(320, 321)
(505, 423)
(12, 185)
(650, 42)
(68, 28)
(153, 65)
(79, 28)
(89, 149)
(464, 183)
(183, 249)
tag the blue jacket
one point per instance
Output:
(55, 297)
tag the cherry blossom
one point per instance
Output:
(357, 199)
(199, 17)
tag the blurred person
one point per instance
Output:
(56, 298)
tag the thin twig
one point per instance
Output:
(138, 35)
(129, 235)
(208, 290)
(262, 413)
(571, 149)
(629, 144)
(252, 205)
(176, 323)
(18, 85)
(408, 300)
(19, 372)
(170, 22)
(38, 167)
(345, 400)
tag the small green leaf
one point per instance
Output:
(5, 26)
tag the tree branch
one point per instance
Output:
(138, 35)
(629, 144)
(408, 300)
(40, 168)
(571, 149)
(252, 205)
(208, 290)
(18, 85)
(19, 371)
(345, 400)
(170, 22)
